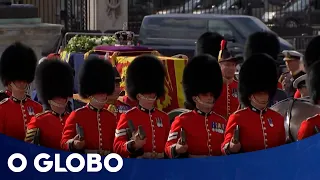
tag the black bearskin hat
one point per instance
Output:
(54, 78)
(253, 79)
(96, 76)
(202, 74)
(145, 74)
(312, 52)
(262, 42)
(209, 43)
(18, 62)
(313, 82)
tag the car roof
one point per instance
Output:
(216, 16)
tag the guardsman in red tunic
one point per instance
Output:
(228, 101)
(91, 129)
(17, 69)
(53, 89)
(115, 103)
(259, 127)
(145, 84)
(270, 46)
(204, 129)
(311, 126)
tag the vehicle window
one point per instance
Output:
(220, 27)
(173, 28)
(247, 26)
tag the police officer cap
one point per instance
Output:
(290, 55)
(145, 74)
(312, 52)
(209, 43)
(202, 75)
(262, 42)
(257, 74)
(313, 82)
(54, 78)
(18, 63)
(96, 76)
(300, 82)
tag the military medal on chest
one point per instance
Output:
(30, 111)
(234, 93)
(159, 122)
(270, 122)
(217, 127)
(123, 109)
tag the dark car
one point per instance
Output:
(299, 13)
(173, 34)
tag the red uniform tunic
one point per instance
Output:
(128, 101)
(204, 133)
(228, 101)
(156, 125)
(279, 85)
(15, 115)
(297, 94)
(118, 108)
(98, 126)
(53, 56)
(307, 127)
(258, 129)
(50, 125)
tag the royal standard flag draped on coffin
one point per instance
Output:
(174, 97)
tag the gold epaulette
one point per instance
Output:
(30, 135)
(42, 113)
(112, 108)
(4, 100)
(79, 98)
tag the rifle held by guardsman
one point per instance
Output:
(183, 137)
(36, 139)
(130, 130)
(236, 135)
(80, 132)
(140, 132)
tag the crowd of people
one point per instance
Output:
(227, 115)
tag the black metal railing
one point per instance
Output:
(73, 14)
